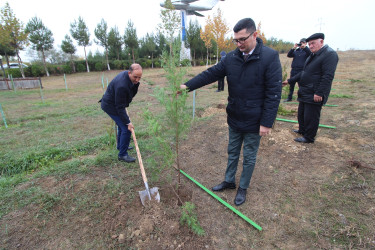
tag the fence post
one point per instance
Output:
(3, 115)
(40, 89)
(14, 86)
(193, 104)
(66, 86)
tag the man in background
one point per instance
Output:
(300, 52)
(220, 85)
(315, 82)
(118, 96)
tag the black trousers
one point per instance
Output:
(220, 85)
(308, 119)
(292, 85)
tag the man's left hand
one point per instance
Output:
(317, 98)
(264, 131)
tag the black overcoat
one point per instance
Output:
(254, 87)
(317, 76)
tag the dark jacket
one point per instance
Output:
(254, 87)
(299, 57)
(317, 76)
(119, 94)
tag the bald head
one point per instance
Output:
(135, 66)
(135, 73)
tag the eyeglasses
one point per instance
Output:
(241, 40)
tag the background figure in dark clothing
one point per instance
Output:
(220, 85)
(118, 96)
(300, 52)
(253, 74)
(315, 82)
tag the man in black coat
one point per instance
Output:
(119, 95)
(300, 52)
(254, 75)
(315, 82)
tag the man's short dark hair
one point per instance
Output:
(246, 23)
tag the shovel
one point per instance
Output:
(148, 194)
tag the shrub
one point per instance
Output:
(37, 70)
(117, 64)
(14, 72)
(157, 64)
(185, 62)
(99, 66)
(201, 63)
(81, 67)
(67, 69)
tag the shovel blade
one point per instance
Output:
(154, 193)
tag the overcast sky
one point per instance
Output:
(346, 24)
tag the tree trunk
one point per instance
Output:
(2, 68)
(217, 54)
(133, 55)
(152, 59)
(73, 66)
(44, 63)
(87, 63)
(20, 64)
(194, 58)
(106, 57)
(207, 59)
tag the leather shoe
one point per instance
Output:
(297, 131)
(302, 140)
(126, 158)
(287, 100)
(224, 185)
(240, 196)
(130, 148)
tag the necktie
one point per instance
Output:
(245, 56)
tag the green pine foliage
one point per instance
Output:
(189, 218)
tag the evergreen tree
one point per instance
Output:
(130, 38)
(80, 33)
(68, 47)
(114, 43)
(150, 46)
(41, 38)
(102, 36)
(194, 41)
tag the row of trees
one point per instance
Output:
(203, 42)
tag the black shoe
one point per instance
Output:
(240, 196)
(297, 131)
(130, 148)
(288, 100)
(224, 185)
(126, 158)
(303, 140)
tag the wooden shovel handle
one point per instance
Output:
(139, 157)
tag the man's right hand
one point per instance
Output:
(130, 126)
(285, 83)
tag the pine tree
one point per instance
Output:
(41, 38)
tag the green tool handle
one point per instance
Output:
(223, 202)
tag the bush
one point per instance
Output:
(99, 66)
(81, 67)
(185, 62)
(202, 63)
(37, 70)
(117, 64)
(14, 72)
(157, 64)
(67, 69)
